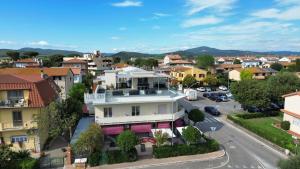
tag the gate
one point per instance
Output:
(52, 162)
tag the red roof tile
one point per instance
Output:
(28, 60)
(53, 71)
(75, 60)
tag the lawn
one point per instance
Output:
(264, 128)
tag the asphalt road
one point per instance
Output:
(243, 151)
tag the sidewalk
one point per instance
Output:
(143, 163)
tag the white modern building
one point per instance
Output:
(292, 112)
(136, 102)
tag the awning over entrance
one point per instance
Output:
(163, 125)
(113, 130)
(164, 130)
(141, 128)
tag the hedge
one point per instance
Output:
(285, 125)
(184, 149)
(257, 115)
(274, 135)
(118, 156)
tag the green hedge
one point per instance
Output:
(266, 130)
(94, 159)
(285, 125)
(118, 156)
(257, 115)
(184, 149)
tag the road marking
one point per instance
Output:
(245, 166)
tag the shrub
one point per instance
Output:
(29, 163)
(191, 135)
(184, 149)
(196, 115)
(251, 115)
(127, 140)
(285, 125)
(94, 159)
(118, 156)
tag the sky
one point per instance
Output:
(150, 26)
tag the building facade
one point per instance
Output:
(292, 112)
(180, 72)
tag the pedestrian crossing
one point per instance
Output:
(210, 120)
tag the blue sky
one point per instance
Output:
(151, 26)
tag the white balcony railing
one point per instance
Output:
(139, 119)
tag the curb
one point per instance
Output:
(265, 141)
(174, 161)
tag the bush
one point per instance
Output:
(118, 156)
(285, 125)
(127, 140)
(196, 115)
(251, 115)
(191, 135)
(94, 159)
(184, 149)
(29, 163)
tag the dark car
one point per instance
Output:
(251, 109)
(213, 97)
(211, 110)
(206, 94)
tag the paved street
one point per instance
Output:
(243, 151)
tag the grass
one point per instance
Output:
(264, 128)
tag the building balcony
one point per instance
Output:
(9, 126)
(11, 103)
(140, 118)
(132, 96)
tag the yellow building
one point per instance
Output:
(180, 72)
(22, 98)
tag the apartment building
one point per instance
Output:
(292, 112)
(258, 73)
(136, 102)
(22, 98)
(176, 60)
(63, 77)
(76, 63)
(22, 63)
(178, 73)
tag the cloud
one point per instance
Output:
(6, 42)
(291, 13)
(39, 43)
(156, 27)
(159, 14)
(128, 3)
(208, 20)
(114, 38)
(196, 6)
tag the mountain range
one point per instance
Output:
(186, 53)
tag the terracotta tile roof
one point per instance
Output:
(286, 63)
(75, 60)
(257, 70)
(291, 94)
(41, 92)
(54, 71)
(224, 66)
(181, 62)
(28, 60)
(174, 57)
(120, 65)
(76, 71)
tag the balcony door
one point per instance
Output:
(17, 118)
(162, 109)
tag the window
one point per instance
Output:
(16, 139)
(17, 118)
(194, 75)
(135, 110)
(201, 75)
(107, 112)
(15, 94)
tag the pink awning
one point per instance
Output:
(112, 130)
(141, 128)
(163, 125)
(179, 123)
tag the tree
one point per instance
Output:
(276, 66)
(191, 135)
(89, 141)
(246, 74)
(116, 60)
(5, 156)
(251, 93)
(14, 55)
(189, 81)
(292, 163)
(295, 67)
(222, 78)
(52, 118)
(205, 61)
(31, 54)
(160, 137)
(77, 92)
(237, 61)
(127, 140)
(53, 61)
(196, 115)
(211, 80)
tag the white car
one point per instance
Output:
(208, 89)
(224, 88)
(201, 89)
(229, 95)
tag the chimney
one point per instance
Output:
(42, 73)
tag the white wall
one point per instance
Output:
(110, 78)
(292, 104)
(234, 75)
(295, 123)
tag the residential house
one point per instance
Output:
(77, 73)
(63, 77)
(286, 64)
(76, 63)
(224, 60)
(178, 73)
(22, 98)
(176, 60)
(22, 63)
(258, 73)
(138, 105)
(250, 63)
(292, 112)
(225, 68)
(284, 59)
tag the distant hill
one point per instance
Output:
(127, 55)
(42, 51)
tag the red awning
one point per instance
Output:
(141, 128)
(163, 125)
(112, 130)
(179, 123)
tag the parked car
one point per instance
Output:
(224, 88)
(213, 96)
(201, 89)
(191, 94)
(229, 95)
(206, 94)
(251, 109)
(208, 89)
(211, 110)
(224, 98)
